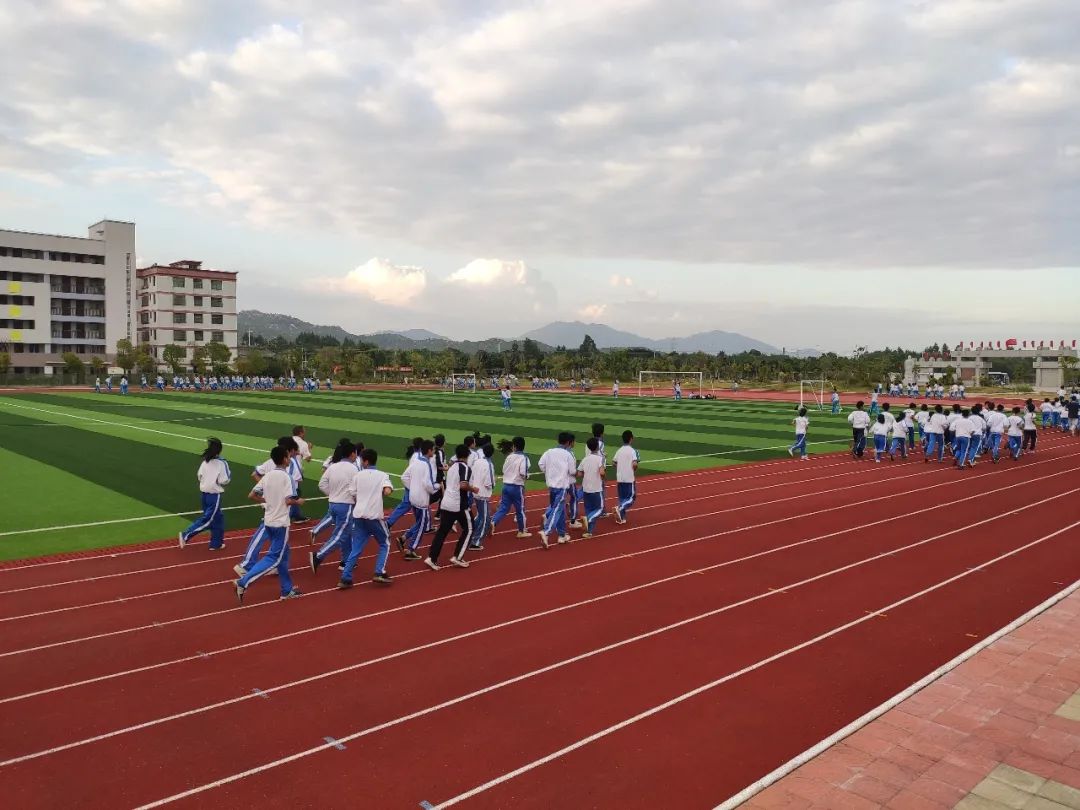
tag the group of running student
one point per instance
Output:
(963, 433)
(459, 487)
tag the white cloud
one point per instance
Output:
(620, 281)
(592, 312)
(488, 272)
(382, 281)
(838, 133)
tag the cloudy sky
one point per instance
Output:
(810, 173)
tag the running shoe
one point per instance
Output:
(459, 563)
(430, 563)
(293, 594)
(344, 585)
(523, 535)
(182, 539)
(314, 561)
(382, 578)
(411, 555)
(239, 591)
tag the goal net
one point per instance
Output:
(462, 383)
(812, 394)
(663, 383)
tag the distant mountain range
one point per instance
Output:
(560, 333)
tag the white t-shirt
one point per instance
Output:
(515, 468)
(922, 417)
(801, 424)
(952, 418)
(1016, 425)
(937, 424)
(275, 487)
(880, 429)
(419, 481)
(978, 424)
(859, 420)
(996, 420)
(558, 465)
(483, 472)
(963, 428)
(1046, 407)
(213, 475)
(625, 459)
(304, 448)
(336, 482)
(590, 468)
(454, 497)
(367, 488)
(1029, 420)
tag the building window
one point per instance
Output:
(146, 300)
(198, 300)
(198, 335)
(179, 335)
(179, 317)
(215, 285)
(217, 319)
(178, 281)
(197, 317)
(196, 283)
(215, 302)
(178, 300)
(217, 337)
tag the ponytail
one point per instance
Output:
(213, 449)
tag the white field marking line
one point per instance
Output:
(148, 430)
(708, 497)
(631, 640)
(810, 753)
(533, 494)
(506, 777)
(640, 509)
(498, 586)
(236, 412)
(120, 520)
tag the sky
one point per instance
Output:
(812, 174)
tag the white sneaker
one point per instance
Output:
(804, 458)
(565, 538)
(575, 525)
(544, 541)
(523, 535)
(240, 570)
(182, 539)
(791, 452)
(459, 563)
(430, 563)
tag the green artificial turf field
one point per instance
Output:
(85, 471)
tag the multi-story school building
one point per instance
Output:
(63, 294)
(187, 306)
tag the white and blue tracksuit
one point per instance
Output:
(341, 536)
(254, 545)
(363, 529)
(213, 475)
(515, 470)
(277, 557)
(555, 514)
(484, 479)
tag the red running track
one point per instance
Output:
(743, 615)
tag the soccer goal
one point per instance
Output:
(812, 394)
(662, 383)
(462, 383)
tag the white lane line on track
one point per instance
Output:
(506, 777)
(511, 623)
(210, 614)
(498, 586)
(216, 583)
(655, 709)
(637, 509)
